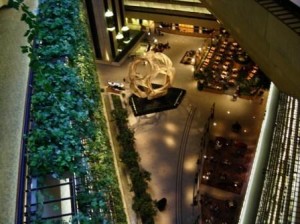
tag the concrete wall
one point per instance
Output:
(269, 42)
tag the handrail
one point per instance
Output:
(22, 161)
(73, 192)
(32, 205)
(280, 9)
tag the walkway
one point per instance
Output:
(13, 75)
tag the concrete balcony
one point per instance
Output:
(269, 32)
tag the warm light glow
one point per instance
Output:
(119, 36)
(125, 28)
(228, 112)
(107, 57)
(193, 61)
(215, 124)
(126, 41)
(108, 13)
(171, 127)
(188, 195)
(189, 164)
(170, 141)
(205, 177)
(111, 28)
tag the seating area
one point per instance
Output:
(160, 47)
(226, 68)
(189, 57)
(218, 211)
(226, 164)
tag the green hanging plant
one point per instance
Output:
(69, 133)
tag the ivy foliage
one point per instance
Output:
(143, 204)
(68, 130)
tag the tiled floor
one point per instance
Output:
(13, 80)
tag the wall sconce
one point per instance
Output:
(125, 31)
(119, 36)
(110, 20)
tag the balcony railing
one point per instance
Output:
(285, 11)
(53, 200)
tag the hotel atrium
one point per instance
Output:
(217, 156)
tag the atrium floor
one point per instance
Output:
(169, 142)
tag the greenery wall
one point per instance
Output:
(68, 132)
(143, 204)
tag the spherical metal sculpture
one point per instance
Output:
(143, 70)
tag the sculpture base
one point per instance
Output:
(142, 106)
